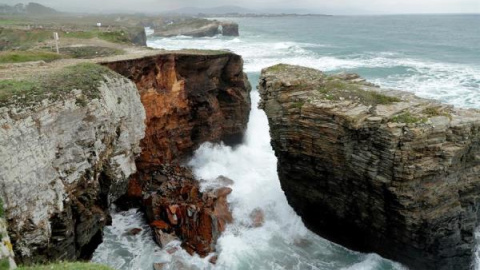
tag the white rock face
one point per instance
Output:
(49, 151)
(6, 252)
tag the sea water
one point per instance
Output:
(433, 56)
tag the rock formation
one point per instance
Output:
(63, 159)
(189, 98)
(6, 248)
(230, 29)
(197, 28)
(376, 170)
(176, 207)
(66, 154)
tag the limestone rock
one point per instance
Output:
(6, 248)
(63, 163)
(376, 170)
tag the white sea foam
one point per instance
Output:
(457, 84)
(282, 242)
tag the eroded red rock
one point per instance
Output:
(177, 208)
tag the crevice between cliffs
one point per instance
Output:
(189, 99)
(92, 137)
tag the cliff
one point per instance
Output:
(68, 143)
(74, 139)
(6, 249)
(190, 97)
(376, 170)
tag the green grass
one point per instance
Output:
(335, 89)
(27, 56)
(85, 76)
(436, 111)
(22, 39)
(88, 52)
(4, 264)
(277, 68)
(408, 118)
(114, 36)
(67, 266)
(8, 22)
(297, 105)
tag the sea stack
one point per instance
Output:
(376, 170)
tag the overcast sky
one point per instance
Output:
(314, 6)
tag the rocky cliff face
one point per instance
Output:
(376, 170)
(189, 98)
(62, 162)
(6, 248)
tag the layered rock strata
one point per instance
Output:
(63, 160)
(376, 170)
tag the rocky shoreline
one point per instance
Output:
(66, 157)
(376, 170)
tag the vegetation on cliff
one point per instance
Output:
(384, 167)
(85, 76)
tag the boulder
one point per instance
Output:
(178, 210)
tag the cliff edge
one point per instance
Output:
(67, 147)
(376, 170)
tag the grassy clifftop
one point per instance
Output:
(84, 76)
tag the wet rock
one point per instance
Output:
(180, 211)
(213, 259)
(159, 266)
(258, 218)
(163, 238)
(224, 181)
(376, 170)
(134, 231)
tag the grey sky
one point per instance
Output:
(318, 6)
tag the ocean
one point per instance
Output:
(433, 56)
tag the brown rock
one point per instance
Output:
(159, 266)
(196, 219)
(189, 99)
(162, 238)
(134, 231)
(258, 218)
(213, 259)
(160, 224)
